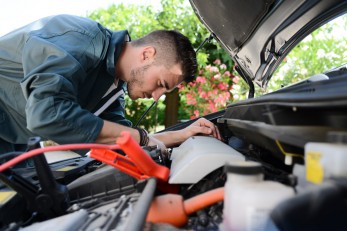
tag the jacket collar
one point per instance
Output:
(117, 41)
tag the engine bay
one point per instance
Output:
(274, 170)
(83, 193)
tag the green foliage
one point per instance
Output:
(142, 19)
(152, 119)
(137, 19)
(322, 50)
(172, 14)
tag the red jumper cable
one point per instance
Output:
(137, 163)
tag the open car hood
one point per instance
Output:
(260, 36)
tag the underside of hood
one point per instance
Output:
(258, 34)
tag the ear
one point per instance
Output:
(148, 54)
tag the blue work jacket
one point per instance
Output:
(53, 75)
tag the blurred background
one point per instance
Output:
(217, 83)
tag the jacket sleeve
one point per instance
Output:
(116, 112)
(50, 86)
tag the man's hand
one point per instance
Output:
(202, 127)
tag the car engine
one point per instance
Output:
(279, 166)
(110, 190)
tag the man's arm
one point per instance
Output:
(200, 127)
(111, 131)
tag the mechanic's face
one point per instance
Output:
(152, 81)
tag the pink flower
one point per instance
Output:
(203, 95)
(190, 99)
(180, 87)
(227, 73)
(236, 79)
(222, 99)
(192, 84)
(210, 91)
(217, 76)
(212, 106)
(223, 66)
(217, 62)
(200, 89)
(200, 79)
(196, 113)
(214, 69)
(223, 86)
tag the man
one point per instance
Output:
(62, 78)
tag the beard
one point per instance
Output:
(136, 81)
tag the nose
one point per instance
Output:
(156, 94)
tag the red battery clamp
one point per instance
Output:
(137, 163)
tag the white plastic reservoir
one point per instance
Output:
(249, 199)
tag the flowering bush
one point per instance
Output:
(209, 92)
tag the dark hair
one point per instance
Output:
(172, 47)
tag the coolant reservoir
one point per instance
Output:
(249, 199)
(197, 157)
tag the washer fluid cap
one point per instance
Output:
(243, 168)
